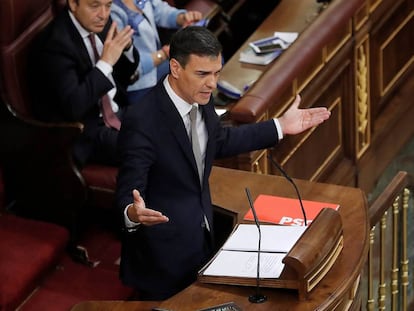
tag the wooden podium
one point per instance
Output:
(305, 265)
(338, 289)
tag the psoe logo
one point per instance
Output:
(289, 221)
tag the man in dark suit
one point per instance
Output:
(70, 82)
(164, 199)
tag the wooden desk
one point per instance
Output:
(354, 58)
(339, 287)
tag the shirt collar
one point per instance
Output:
(82, 31)
(182, 106)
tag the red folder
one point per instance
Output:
(286, 211)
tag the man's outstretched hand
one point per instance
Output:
(137, 212)
(296, 120)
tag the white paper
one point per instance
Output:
(286, 36)
(220, 111)
(274, 238)
(244, 264)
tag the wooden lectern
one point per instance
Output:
(306, 263)
(337, 290)
(314, 254)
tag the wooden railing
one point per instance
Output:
(388, 277)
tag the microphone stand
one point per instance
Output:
(257, 297)
(294, 185)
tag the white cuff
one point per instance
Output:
(131, 225)
(278, 129)
(104, 67)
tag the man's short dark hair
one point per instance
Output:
(193, 40)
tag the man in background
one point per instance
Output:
(80, 69)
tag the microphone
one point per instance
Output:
(257, 297)
(294, 185)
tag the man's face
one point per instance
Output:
(91, 14)
(197, 80)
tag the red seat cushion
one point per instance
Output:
(101, 181)
(100, 176)
(74, 283)
(28, 250)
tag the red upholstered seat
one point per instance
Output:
(29, 249)
(61, 291)
(101, 181)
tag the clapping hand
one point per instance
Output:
(115, 43)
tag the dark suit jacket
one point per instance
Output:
(157, 159)
(64, 83)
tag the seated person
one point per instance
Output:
(71, 83)
(145, 17)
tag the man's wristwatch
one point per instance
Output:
(160, 56)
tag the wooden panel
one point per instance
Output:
(282, 102)
(312, 68)
(362, 99)
(316, 149)
(259, 164)
(373, 4)
(391, 53)
(342, 35)
(361, 15)
(396, 54)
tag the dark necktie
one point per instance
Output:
(109, 117)
(195, 142)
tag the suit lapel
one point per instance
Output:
(175, 123)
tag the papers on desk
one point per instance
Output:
(220, 111)
(277, 239)
(231, 91)
(244, 264)
(251, 57)
(238, 256)
(264, 51)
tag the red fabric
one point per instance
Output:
(74, 282)
(99, 176)
(2, 195)
(28, 250)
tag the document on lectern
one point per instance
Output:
(239, 254)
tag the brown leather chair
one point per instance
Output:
(36, 156)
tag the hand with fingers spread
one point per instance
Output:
(296, 120)
(137, 212)
(115, 43)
